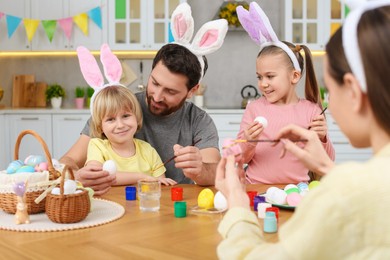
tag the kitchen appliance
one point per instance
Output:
(248, 94)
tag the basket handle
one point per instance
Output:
(53, 172)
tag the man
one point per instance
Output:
(170, 124)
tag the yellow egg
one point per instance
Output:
(206, 199)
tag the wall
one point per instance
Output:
(230, 68)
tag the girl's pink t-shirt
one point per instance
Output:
(266, 166)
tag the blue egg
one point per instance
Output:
(14, 166)
(26, 168)
(34, 160)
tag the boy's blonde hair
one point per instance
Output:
(109, 101)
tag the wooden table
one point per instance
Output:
(137, 235)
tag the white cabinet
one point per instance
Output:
(66, 130)
(139, 25)
(228, 124)
(40, 123)
(344, 150)
(52, 10)
(312, 22)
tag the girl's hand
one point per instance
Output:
(310, 153)
(230, 180)
(253, 131)
(320, 127)
(167, 181)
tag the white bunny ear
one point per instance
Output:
(182, 24)
(210, 37)
(353, 4)
(111, 65)
(89, 68)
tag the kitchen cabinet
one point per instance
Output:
(139, 25)
(227, 123)
(66, 130)
(312, 22)
(52, 10)
(40, 123)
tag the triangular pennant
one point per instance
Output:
(95, 15)
(50, 27)
(31, 27)
(82, 22)
(67, 26)
(12, 24)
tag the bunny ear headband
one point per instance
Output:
(257, 24)
(350, 37)
(208, 39)
(91, 71)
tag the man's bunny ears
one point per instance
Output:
(257, 24)
(350, 37)
(208, 39)
(91, 71)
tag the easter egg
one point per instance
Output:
(34, 160)
(56, 191)
(279, 197)
(313, 184)
(262, 120)
(14, 166)
(293, 199)
(206, 199)
(109, 166)
(56, 163)
(26, 168)
(230, 148)
(290, 188)
(43, 166)
(220, 201)
(70, 187)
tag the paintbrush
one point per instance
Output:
(323, 111)
(173, 157)
(234, 142)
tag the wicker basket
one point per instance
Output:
(70, 208)
(8, 201)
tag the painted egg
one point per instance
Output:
(220, 201)
(43, 166)
(109, 166)
(293, 199)
(277, 196)
(56, 163)
(26, 168)
(14, 166)
(34, 160)
(206, 199)
(313, 184)
(56, 191)
(70, 187)
(262, 120)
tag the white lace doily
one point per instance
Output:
(103, 211)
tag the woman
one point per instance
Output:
(347, 216)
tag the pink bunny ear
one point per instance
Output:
(182, 24)
(246, 22)
(89, 68)
(210, 37)
(111, 65)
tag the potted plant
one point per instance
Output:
(90, 92)
(55, 93)
(79, 97)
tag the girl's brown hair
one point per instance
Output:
(312, 92)
(109, 101)
(373, 38)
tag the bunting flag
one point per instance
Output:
(49, 26)
(31, 27)
(81, 21)
(12, 23)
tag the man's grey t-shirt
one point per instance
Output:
(184, 127)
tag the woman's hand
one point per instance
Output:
(311, 153)
(230, 180)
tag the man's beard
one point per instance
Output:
(165, 110)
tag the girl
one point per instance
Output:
(347, 215)
(279, 67)
(116, 117)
